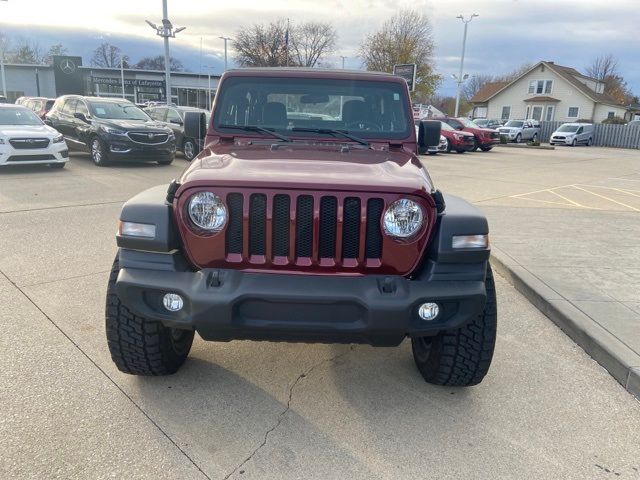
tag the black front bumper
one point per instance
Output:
(228, 304)
(121, 148)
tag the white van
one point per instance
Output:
(573, 134)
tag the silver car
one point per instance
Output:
(573, 134)
(521, 130)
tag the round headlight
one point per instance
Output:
(208, 211)
(403, 218)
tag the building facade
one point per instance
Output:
(67, 75)
(547, 92)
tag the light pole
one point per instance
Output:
(209, 67)
(166, 31)
(460, 78)
(122, 73)
(4, 78)
(343, 58)
(225, 50)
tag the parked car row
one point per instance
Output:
(110, 129)
(463, 135)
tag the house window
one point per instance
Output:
(573, 112)
(532, 86)
(506, 113)
(540, 86)
(550, 110)
(548, 85)
(611, 114)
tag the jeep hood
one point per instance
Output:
(309, 167)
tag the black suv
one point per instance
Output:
(111, 130)
(173, 117)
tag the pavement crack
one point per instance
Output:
(282, 414)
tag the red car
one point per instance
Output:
(457, 140)
(485, 138)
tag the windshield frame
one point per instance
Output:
(404, 111)
(567, 127)
(124, 107)
(29, 113)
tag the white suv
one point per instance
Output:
(26, 140)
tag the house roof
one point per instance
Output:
(567, 73)
(541, 98)
(487, 91)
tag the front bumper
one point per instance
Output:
(561, 141)
(54, 153)
(122, 148)
(223, 304)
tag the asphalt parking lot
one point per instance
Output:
(264, 410)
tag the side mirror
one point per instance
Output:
(176, 121)
(429, 133)
(195, 125)
(80, 116)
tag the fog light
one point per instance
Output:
(172, 302)
(428, 311)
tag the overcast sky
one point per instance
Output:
(507, 33)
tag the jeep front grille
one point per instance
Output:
(315, 227)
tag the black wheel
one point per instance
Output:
(140, 346)
(432, 153)
(57, 165)
(461, 151)
(448, 146)
(189, 149)
(98, 152)
(460, 357)
(475, 145)
(486, 149)
(519, 138)
(589, 142)
(535, 138)
(574, 143)
(168, 161)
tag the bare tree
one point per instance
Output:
(107, 55)
(55, 50)
(263, 45)
(603, 66)
(157, 63)
(25, 52)
(311, 41)
(474, 84)
(407, 37)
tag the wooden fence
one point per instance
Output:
(604, 135)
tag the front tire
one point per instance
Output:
(574, 143)
(518, 138)
(486, 149)
(140, 346)
(461, 357)
(98, 152)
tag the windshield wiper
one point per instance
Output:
(255, 128)
(331, 131)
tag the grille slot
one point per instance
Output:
(304, 226)
(150, 138)
(373, 242)
(281, 225)
(29, 158)
(257, 224)
(29, 143)
(328, 225)
(234, 228)
(351, 228)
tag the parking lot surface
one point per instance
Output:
(265, 410)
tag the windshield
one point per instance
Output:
(568, 128)
(447, 127)
(117, 111)
(514, 123)
(467, 123)
(18, 116)
(366, 109)
(481, 122)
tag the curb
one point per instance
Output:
(619, 360)
(524, 145)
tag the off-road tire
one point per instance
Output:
(461, 357)
(140, 346)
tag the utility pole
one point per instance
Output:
(225, 50)
(343, 58)
(209, 67)
(122, 73)
(460, 78)
(166, 31)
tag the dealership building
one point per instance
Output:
(66, 75)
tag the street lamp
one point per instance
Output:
(166, 31)
(343, 58)
(209, 67)
(225, 50)
(460, 78)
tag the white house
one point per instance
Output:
(547, 92)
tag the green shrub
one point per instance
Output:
(614, 121)
(503, 139)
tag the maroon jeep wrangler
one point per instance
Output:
(307, 217)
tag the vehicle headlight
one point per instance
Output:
(58, 139)
(207, 211)
(114, 131)
(403, 218)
